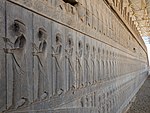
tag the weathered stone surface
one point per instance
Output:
(67, 57)
(3, 78)
(42, 57)
(19, 56)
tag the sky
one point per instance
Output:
(147, 42)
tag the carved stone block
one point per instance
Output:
(58, 59)
(70, 59)
(19, 56)
(80, 78)
(42, 57)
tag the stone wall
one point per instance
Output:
(67, 57)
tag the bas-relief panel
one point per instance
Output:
(70, 59)
(80, 78)
(93, 61)
(68, 10)
(19, 56)
(58, 59)
(50, 61)
(87, 61)
(99, 61)
(42, 57)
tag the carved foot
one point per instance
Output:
(44, 96)
(95, 81)
(21, 102)
(73, 87)
(81, 86)
(60, 91)
(89, 83)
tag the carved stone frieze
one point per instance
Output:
(67, 56)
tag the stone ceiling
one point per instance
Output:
(140, 12)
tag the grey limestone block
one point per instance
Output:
(58, 60)
(42, 52)
(70, 58)
(19, 55)
(80, 79)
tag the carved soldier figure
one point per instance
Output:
(107, 65)
(89, 13)
(98, 65)
(41, 53)
(92, 100)
(87, 101)
(87, 67)
(70, 63)
(93, 74)
(82, 102)
(79, 65)
(16, 50)
(102, 70)
(81, 9)
(99, 102)
(57, 55)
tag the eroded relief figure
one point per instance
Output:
(107, 65)
(89, 13)
(93, 74)
(81, 9)
(70, 64)
(40, 51)
(92, 100)
(95, 14)
(79, 68)
(98, 65)
(82, 102)
(99, 102)
(60, 7)
(57, 55)
(95, 99)
(103, 65)
(87, 67)
(70, 6)
(15, 48)
(87, 101)
(60, 4)
(110, 66)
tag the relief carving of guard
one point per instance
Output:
(98, 65)
(15, 48)
(79, 67)
(93, 74)
(87, 67)
(69, 53)
(40, 51)
(57, 58)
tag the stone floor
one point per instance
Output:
(142, 100)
